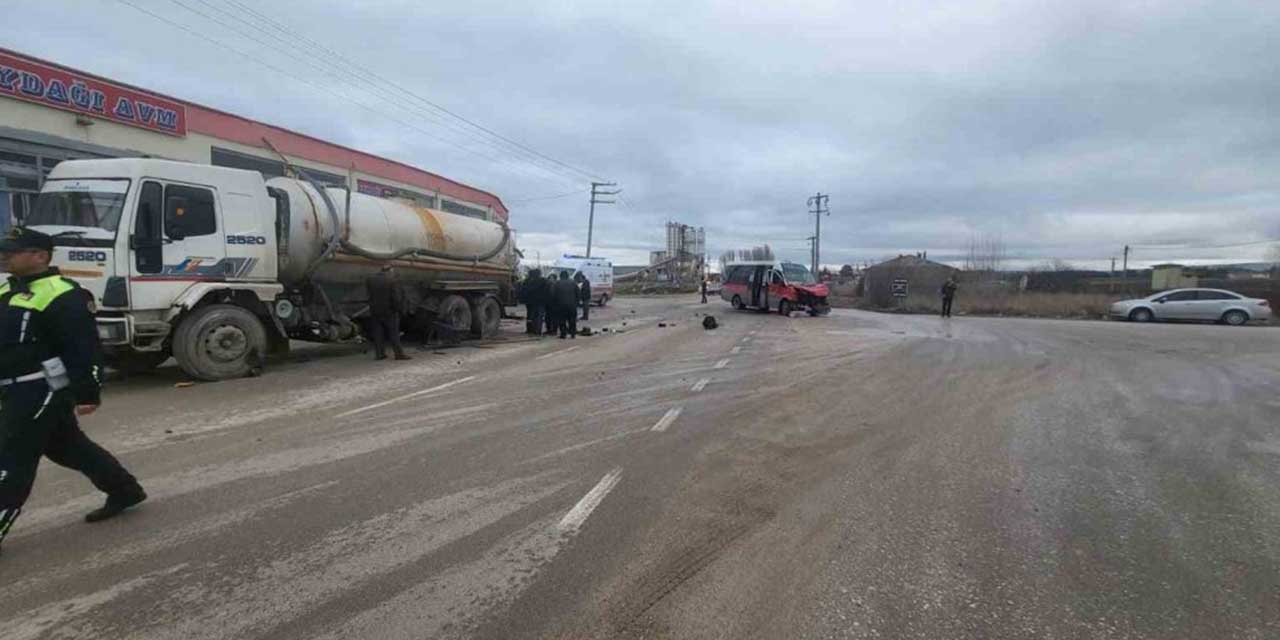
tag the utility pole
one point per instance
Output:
(1126, 267)
(813, 257)
(595, 194)
(818, 202)
(1113, 274)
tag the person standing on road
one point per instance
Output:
(948, 292)
(50, 372)
(704, 290)
(566, 302)
(386, 302)
(534, 294)
(550, 307)
(584, 295)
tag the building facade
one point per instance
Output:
(50, 113)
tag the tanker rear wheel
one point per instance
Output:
(486, 317)
(455, 313)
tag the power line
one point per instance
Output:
(555, 197)
(310, 83)
(392, 100)
(363, 74)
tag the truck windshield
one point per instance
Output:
(797, 273)
(80, 203)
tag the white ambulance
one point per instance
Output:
(599, 271)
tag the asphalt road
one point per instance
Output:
(855, 476)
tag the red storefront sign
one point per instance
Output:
(53, 87)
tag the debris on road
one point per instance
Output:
(709, 323)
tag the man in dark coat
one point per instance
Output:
(584, 295)
(386, 302)
(948, 292)
(565, 294)
(550, 309)
(534, 295)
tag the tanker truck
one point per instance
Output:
(219, 267)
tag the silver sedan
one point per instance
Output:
(1216, 305)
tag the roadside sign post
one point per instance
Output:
(899, 288)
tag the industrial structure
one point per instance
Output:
(682, 263)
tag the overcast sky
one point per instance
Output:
(1067, 128)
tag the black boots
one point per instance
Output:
(115, 505)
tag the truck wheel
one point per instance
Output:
(455, 312)
(737, 303)
(219, 341)
(784, 308)
(135, 362)
(486, 318)
(604, 299)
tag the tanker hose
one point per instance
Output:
(336, 240)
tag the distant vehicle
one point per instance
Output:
(599, 271)
(774, 285)
(1206, 305)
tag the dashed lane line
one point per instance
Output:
(722, 364)
(573, 520)
(667, 419)
(736, 350)
(700, 385)
(556, 353)
(406, 397)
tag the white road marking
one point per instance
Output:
(579, 513)
(700, 385)
(555, 353)
(736, 350)
(747, 339)
(722, 364)
(669, 417)
(406, 397)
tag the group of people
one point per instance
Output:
(551, 303)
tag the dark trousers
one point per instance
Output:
(568, 322)
(946, 306)
(552, 312)
(704, 296)
(382, 330)
(35, 422)
(534, 318)
(586, 309)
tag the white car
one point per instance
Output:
(1206, 305)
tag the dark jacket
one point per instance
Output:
(533, 291)
(59, 322)
(385, 297)
(584, 291)
(948, 290)
(565, 293)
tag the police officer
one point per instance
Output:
(386, 301)
(50, 372)
(550, 307)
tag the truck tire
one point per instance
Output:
(486, 317)
(135, 362)
(219, 341)
(455, 312)
(604, 299)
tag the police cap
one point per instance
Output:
(22, 238)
